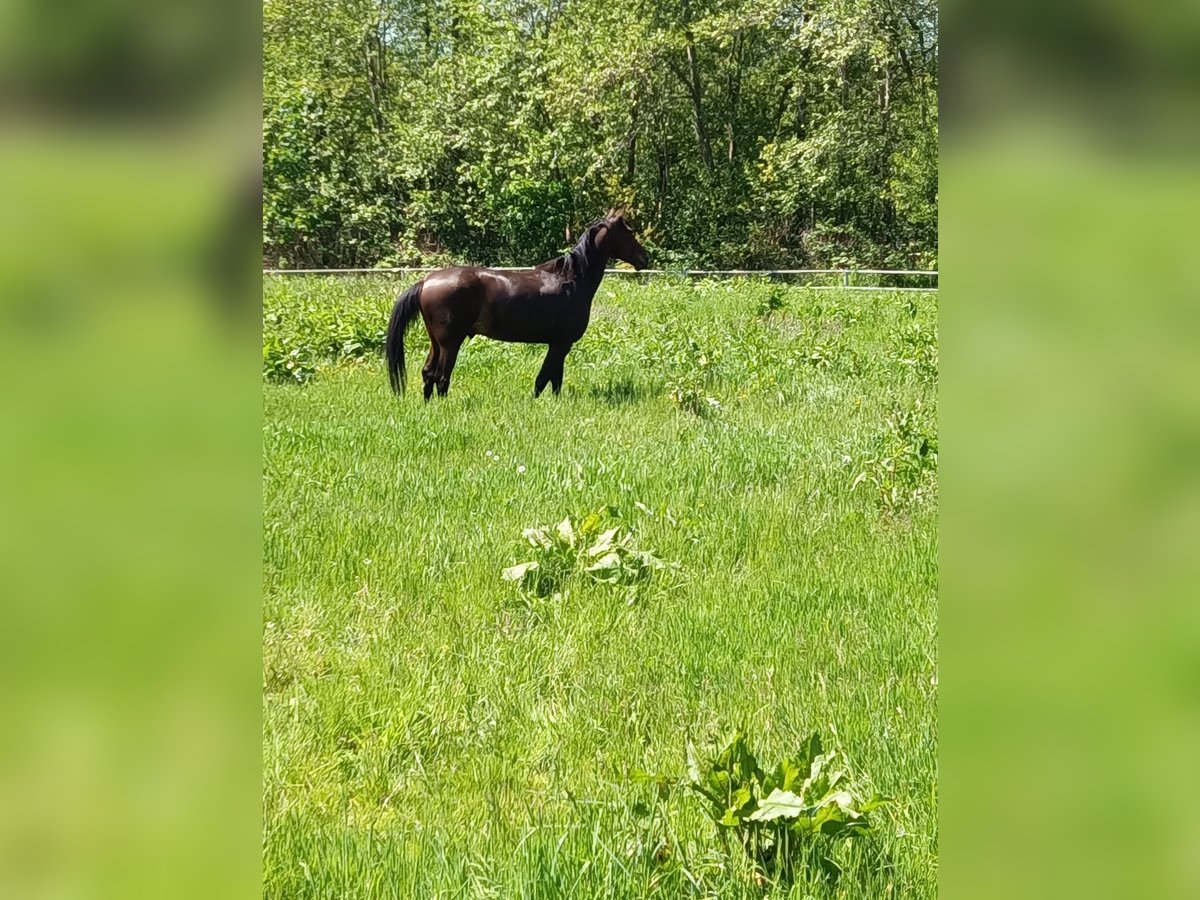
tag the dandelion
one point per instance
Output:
(520, 470)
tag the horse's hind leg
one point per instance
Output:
(429, 370)
(446, 363)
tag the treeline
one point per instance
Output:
(740, 133)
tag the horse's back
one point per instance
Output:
(446, 282)
(526, 306)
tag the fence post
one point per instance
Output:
(845, 279)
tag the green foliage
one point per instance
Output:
(282, 361)
(692, 373)
(304, 328)
(587, 546)
(743, 134)
(903, 467)
(785, 817)
(773, 301)
(916, 347)
(689, 396)
(781, 816)
(691, 367)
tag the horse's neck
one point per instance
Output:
(588, 281)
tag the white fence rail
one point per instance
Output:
(846, 274)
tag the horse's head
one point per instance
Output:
(621, 244)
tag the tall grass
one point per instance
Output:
(428, 734)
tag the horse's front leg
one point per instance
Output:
(552, 367)
(556, 376)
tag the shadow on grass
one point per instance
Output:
(619, 392)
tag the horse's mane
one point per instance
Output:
(573, 262)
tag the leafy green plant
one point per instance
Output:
(302, 329)
(772, 302)
(819, 356)
(284, 360)
(690, 397)
(903, 466)
(916, 347)
(587, 546)
(691, 368)
(786, 817)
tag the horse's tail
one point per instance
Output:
(407, 306)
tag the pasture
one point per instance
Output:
(432, 729)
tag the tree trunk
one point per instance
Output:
(697, 94)
(781, 106)
(734, 91)
(374, 70)
(663, 172)
(631, 158)
(697, 103)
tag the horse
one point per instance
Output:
(548, 304)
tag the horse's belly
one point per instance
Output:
(530, 320)
(518, 335)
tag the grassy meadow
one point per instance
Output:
(433, 730)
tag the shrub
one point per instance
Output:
(604, 555)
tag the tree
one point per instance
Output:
(739, 133)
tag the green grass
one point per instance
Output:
(430, 734)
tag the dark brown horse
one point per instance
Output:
(549, 304)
